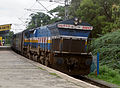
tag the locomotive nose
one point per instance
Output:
(88, 62)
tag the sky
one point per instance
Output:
(16, 12)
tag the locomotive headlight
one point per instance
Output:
(76, 21)
(80, 21)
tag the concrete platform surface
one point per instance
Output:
(16, 72)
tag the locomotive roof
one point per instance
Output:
(70, 21)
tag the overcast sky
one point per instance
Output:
(13, 11)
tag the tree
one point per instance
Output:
(98, 13)
(59, 13)
(38, 19)
(90, 12)
(9, 37)
(73, 7)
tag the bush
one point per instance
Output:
(109, 48)
(107, 74)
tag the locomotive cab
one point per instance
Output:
(70, 38)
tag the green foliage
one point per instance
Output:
(103, 15)
(54, 74)
(73, 7)
(41, 19)
(107, 74)
(41, 68)
(109, 48)
(91, 12)
(59, 12)
(38, 19)
(8, 38)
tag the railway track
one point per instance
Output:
(100, 83)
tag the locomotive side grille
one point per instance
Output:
(68, 45)
(55, 44)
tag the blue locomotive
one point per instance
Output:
(61, 46)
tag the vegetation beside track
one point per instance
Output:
(107, 74)
(54, 74)
(109, 48)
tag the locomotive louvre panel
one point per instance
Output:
(73, 45)
(55, 44)
(78, 46)
(68, 45)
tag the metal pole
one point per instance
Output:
(66, 9)
(41, 22)
(35, 22)
(98, 63)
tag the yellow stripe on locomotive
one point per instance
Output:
(26, 40)
(49, 41)
(33, 41)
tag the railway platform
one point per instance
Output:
(5, 48)
(17, 71)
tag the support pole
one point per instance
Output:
(66, 9)
(98, 63)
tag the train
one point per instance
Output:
(61, 46)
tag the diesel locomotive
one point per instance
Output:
(62, 46)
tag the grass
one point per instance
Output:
(108, 75)
(41, 68)
(54, 74)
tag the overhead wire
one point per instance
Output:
(51, 4)
(29, 8)
(20, 18)
(45, 8)
(33, 5)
